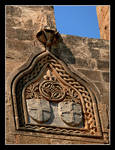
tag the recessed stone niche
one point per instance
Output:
(47, 97)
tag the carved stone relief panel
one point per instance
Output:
(48, 98)
(71, 113)
(49, 101)
(38, 110)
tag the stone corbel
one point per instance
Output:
(49, 37)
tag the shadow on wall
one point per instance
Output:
(64, 53)
(52, 40)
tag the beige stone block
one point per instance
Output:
(103, 116)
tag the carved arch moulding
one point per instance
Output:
(47, 97)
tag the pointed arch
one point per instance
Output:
(79, 91)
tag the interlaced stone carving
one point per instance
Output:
(48, 82)
(89, 114)
(52, 90)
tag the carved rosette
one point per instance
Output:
(50, 92)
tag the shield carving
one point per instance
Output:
(38, 110)
(70, 112)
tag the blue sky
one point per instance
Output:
(77, 20)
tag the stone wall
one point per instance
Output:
(103, 15)
(22, 24)
(88, 57)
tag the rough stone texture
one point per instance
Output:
(104, 114)
(105, 76)
(88, 57)
(22, 24)
(93, 75)
(46, 139)
(71, 113)
(42, 108)
(103, 15)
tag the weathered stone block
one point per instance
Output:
(105, 99)
(92, 64)
(82, 62)
(95, 53)
(24, 34)
(101, 86)
(105, 76)
(10, 22)
(71, 113)
(29, 23)
(95, 43)
(21, 46)
(14, 11)
(103, 64)
(11, 33)
(103, 114)
(27, 139)
(42, 108)
(103, 15)
(104, 54)
(92, 75)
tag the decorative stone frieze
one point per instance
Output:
(48, 98)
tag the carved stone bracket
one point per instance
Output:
(48, 37)
(48, 98)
